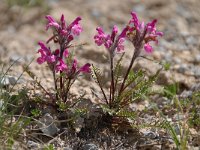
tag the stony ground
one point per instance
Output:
(22, 27)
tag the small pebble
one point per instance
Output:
(90, 147)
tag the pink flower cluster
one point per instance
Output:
(142, 35)
(64, 35)
(73, 71)
(46, 54)
(112, 42)
(146, 33)
(73, 29)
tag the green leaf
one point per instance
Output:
(127, 114)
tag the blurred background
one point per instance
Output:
(22, 25)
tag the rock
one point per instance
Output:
(9, 80)
(191, 41)
(196, 87)
(196, 71)
(78, 124)
(177, 60)
(182, 68)
(33, 145)
(67, 148)
(90, 147)
(150, 134)
(47, 125)
(186, 94)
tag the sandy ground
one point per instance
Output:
(22, 27)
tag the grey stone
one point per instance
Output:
(196, 71)
(182, 68)
(186, 94)
(8, 80)
(47, 125)
(177, 60)
(33, 145)
(67, 148)
(191, 40)
(196, 87)
(150, 134)
(90, 147)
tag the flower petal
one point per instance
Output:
(148, 48)
(85, 68)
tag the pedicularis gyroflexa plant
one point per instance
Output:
(63, 67)
(123, 88)
(140, 36)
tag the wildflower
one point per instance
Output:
(51, 23)
(74, 66)
(148, 48)
(112, 42)
(62, 31)
(120, 46)
(143, 33)
(100, 37)
(77, 29)
(46, 54)
(61, 66)
(84, 69)
(66, 53)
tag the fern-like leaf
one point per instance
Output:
(118, 70)
(96, 74)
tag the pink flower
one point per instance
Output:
(134, 20)
(51, 58)
(148, 48)
(123, 33)
(66, 53)
(62, 30)
(108, 42)
(61, 66)
(51, 22)
(85, 68)
(100, 38)
(144, 33)
(75, 22)
(77, 29)
(74, 66)
(46, 54)
(113, 43)
(120, 46)
(74, 72)
(114, 32)
(40, 60)
(63, 23)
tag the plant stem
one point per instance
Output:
(61, 56)
(135, 55)
(67, 91)
(55, 84)
(112, 90)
